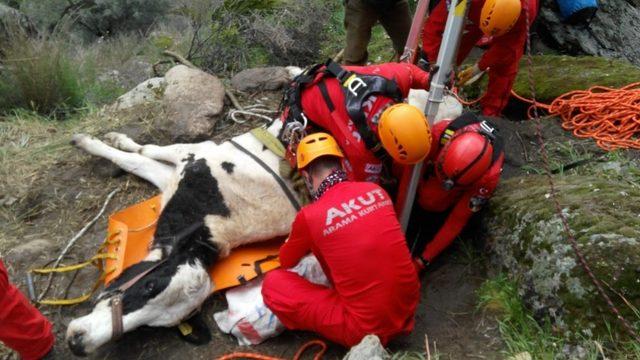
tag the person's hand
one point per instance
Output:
(466, 75)
(419, 265)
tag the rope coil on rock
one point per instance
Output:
(609, 116)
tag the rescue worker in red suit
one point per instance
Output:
(462, 171)
(505, 21)
(352, 229)
(22, 327)
(348, 102)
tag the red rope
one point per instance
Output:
(247, 355)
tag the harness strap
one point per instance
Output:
(116, 317)
(325, 95)
(183, 233)
(116, 301)
(283, 186)
(357, 88)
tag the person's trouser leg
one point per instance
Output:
(22, 327)
(301, 305)
(397, 23)
(359, 18)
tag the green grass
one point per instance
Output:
(520, 332)
(40, 75)
(563, 156)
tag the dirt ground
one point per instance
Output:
(62, 197)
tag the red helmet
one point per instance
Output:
(464, 159)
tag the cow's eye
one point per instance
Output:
(150, 287)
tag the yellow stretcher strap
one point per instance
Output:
(76, 300)
(74, 267)
(95, 260)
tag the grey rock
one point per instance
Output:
(614, 32)
(148, 91)
(134, 71)
(369, 348)
(260, 79)
(7, 200)
(193, 99)
(28, 253)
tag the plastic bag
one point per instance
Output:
(248, 318)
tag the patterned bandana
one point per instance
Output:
(336, 177)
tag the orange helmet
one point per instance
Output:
(499, 16)
(314, 146)
(464, 159)
(404, 133)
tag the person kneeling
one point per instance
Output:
(352, 229)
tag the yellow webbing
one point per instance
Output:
(94, 260)
(271, 142)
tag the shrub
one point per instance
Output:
(290, 35)
(106, 18)
(230, 35)
(39, 74)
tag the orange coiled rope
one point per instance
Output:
(609, 116)
(297, 356)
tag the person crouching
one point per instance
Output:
(352, 229)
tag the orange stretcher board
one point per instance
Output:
(131, 230)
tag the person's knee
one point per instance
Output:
(273, 280)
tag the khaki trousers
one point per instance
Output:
(359, 18)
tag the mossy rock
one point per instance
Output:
(555, 75)
(528, 242)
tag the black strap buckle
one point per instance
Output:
(338, 71)
(488, 129)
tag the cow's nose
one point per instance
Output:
(76, 345)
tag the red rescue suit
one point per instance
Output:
(22, 327)
(362, 164)
(432, 197)
(353, 231)
(502, 57)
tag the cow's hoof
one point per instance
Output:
(78, 140)
(113, 138)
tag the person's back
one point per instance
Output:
(358, 240)
(351, 228)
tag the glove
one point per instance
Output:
(467, 74)
(419, 264)
(423, 62)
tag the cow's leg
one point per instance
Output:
(173, 154)
(122, 142)
(155, 172)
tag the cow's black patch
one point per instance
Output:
(264, 148)
(197, 196)
(228, 167)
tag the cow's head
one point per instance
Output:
(163, 297)
(177, 286)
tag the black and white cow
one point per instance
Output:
(235, 200)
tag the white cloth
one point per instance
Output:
(248, 318)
